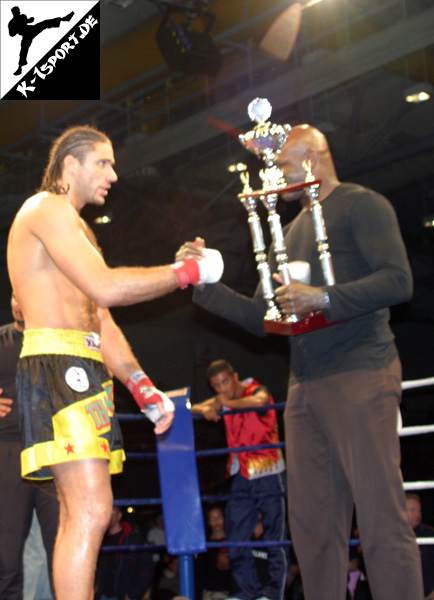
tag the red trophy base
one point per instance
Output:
(310, 322)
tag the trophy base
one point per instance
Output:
(310, 322)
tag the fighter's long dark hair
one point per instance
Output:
(76, 141)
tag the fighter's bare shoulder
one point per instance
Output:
(41, 211)
(46, 201)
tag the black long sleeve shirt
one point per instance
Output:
(372, 273)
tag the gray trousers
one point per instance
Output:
(342, 449)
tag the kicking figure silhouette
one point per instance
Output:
(19, 24)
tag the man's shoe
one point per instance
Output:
(18, 71)
(68, 17)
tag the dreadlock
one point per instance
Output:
(76, 141)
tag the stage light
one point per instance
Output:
(418, 93)
(237, 168)
(103, 220)
(428, 221)
(186, 50)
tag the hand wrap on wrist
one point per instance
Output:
(152, 402)
(143, 390)
(208, 269)
(187, 272)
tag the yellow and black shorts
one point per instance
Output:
(65, 399)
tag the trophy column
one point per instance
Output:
(266, 140)
(319, 225)
(250, 202)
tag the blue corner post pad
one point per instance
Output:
(179, 483)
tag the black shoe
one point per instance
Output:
(68, 17)
(18, 71)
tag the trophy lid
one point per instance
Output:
(265, 139)
(259, 110)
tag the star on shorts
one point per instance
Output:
(69, 449)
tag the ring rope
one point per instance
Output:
(415, 383)
(405, 431)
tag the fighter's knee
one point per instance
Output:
(97, 514)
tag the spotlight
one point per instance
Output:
(418, 93)
(103, 220)
(186, 50)
(428, 221)
(237, 168)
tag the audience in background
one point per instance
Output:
(212, 568)
(414, 515)
(123, 575)
(157, 536)
(166, 584)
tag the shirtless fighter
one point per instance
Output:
(71, 343)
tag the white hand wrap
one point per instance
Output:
(211, 267)
(152, 411)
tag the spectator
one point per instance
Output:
(157, 536)
(123, 575)
(254, 472)
(357, 586)
(213, 571)
(414, 514)
(167, 584)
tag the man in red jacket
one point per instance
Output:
(254, 472)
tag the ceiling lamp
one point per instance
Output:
(186, 50)
(418, 93)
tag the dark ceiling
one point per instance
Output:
(175, 135)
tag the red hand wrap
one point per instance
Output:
(139, 385)
(187, 272)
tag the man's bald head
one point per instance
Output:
(304, 138)
(306, 143)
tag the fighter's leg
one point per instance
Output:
(320, 503)
(86, 502)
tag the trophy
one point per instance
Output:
(266, 140)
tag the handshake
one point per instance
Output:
(197, 265)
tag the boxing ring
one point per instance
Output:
(181, 500)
